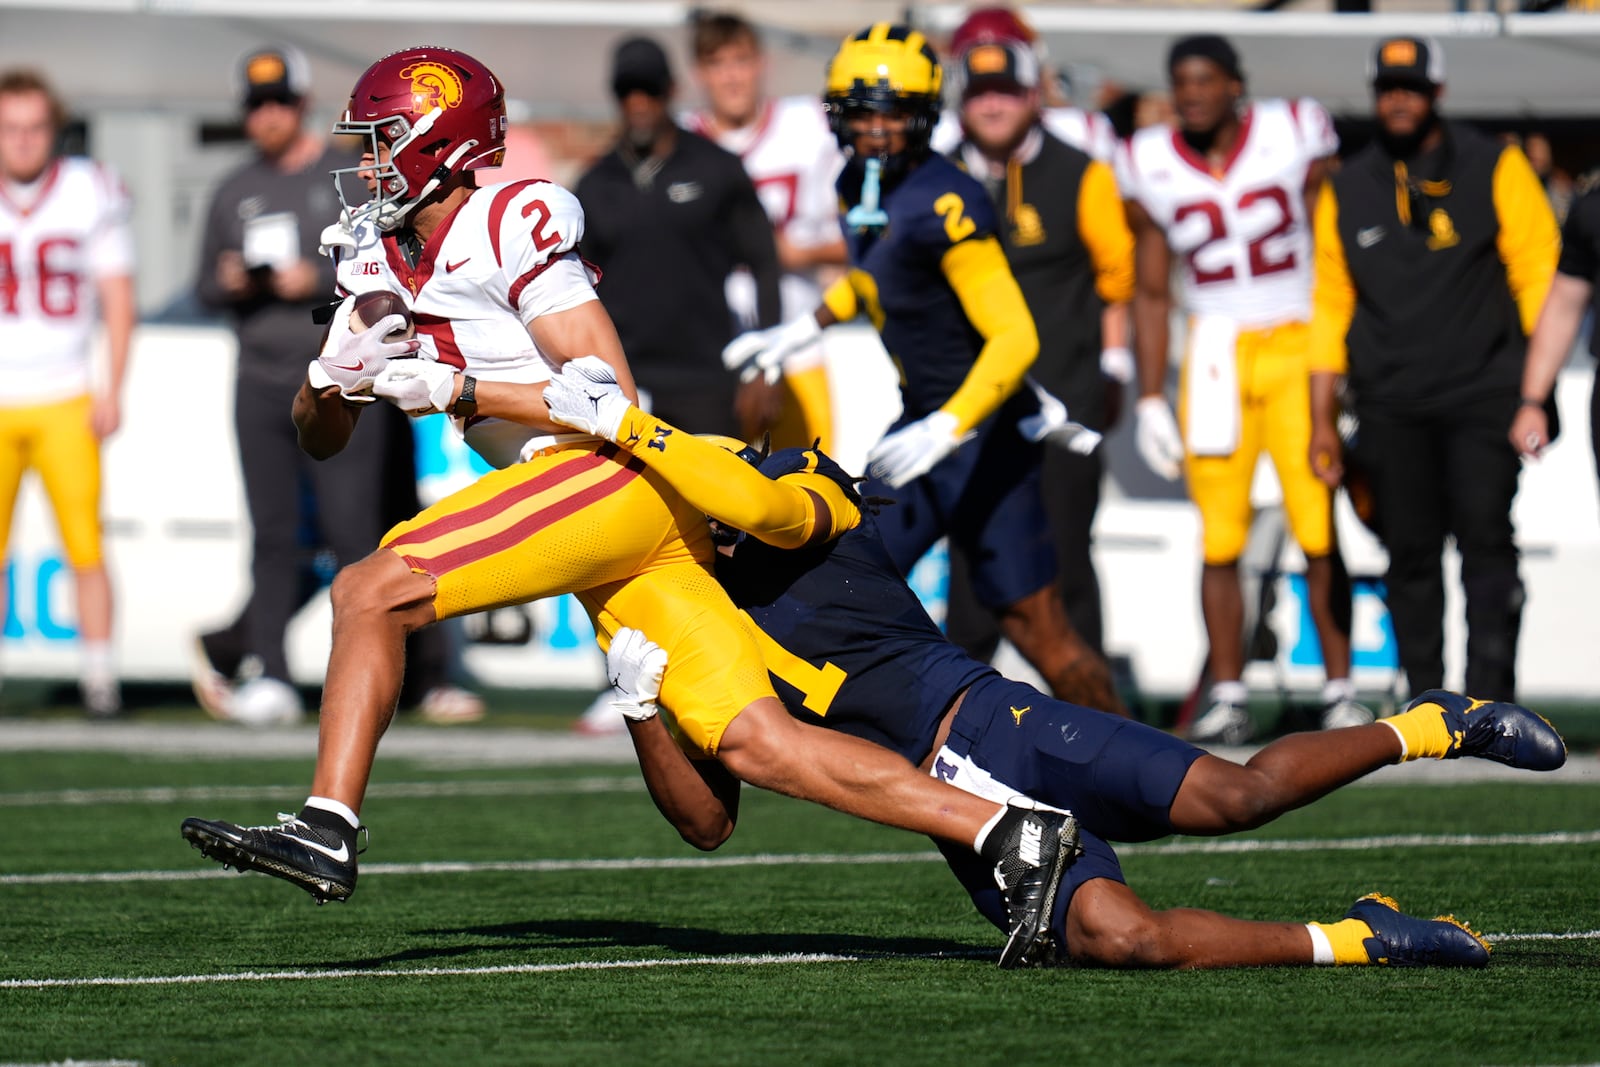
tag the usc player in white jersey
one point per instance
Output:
(66, 265)
(793, 161)
(501, 300)
(1228, 195)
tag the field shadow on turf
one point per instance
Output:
(566, 934)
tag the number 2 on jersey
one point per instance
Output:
(818, 685)
(953, 210)
(541, 239)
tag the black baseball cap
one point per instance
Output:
(1416, 62)
(639, 65)
(278, 73)
(1005, 65)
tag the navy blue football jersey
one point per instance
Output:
(923, 325)
(848, 644)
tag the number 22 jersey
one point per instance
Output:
(1241, 231)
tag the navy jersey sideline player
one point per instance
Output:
(928, 270)
(850, 648)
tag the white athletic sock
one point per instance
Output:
(1321, 947)
(1337, 689)
(1234, 692)
(334, 807)
(98, 663)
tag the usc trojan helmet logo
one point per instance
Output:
(433, 85)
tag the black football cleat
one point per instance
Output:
(319, 861)
(1496, 730)
(1039, 847)
(1401, 940)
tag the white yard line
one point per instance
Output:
(767, 859)
(792, 958)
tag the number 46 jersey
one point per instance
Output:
(1241, 231)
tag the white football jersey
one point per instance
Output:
(1090, 132)
(793, 160)
(69, 231)
(1241, 233)
(507, 256)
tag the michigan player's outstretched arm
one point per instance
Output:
(800, 509)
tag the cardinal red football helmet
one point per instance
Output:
(435, 112)
(990, 25)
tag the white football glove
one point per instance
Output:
(764, 351)
(586, 396)
(913, 449)
(1156, 434)
(353, 361)
(1053, 425)
(634, 664)
(1117, 364)
(416, 386)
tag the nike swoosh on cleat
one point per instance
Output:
(341, 856)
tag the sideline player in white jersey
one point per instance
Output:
(793, 160)
(1089, 132)
(66, 265)
(497, 289)
(1228, 195)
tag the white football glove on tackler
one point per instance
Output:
(1156, 434)
(353, 361)
(1052, 424)
(634, 665)
(1117, 364)
(585, 396)
(913, 450)
(417, 386)
(764, 351)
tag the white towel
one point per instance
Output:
(1213, 416)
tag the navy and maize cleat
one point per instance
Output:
(1495, 730)
(320, 861)
(1401, 940)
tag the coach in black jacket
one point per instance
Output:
(1435, 247)
(668, 215)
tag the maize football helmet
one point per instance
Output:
(885, 69)
(439, 112)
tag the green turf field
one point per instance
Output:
(484, 931)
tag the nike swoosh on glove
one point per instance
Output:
(634, 665)
(1052, 424)
(586, 396)
(913, 449)
(1156, 434)
(764, 351)
(417, 386)
(353, 361)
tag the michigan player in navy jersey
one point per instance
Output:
(850, 648)
(928, 270)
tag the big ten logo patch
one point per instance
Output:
(39, 598)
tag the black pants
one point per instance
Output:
(1449, 473)
(345, 503)
(1071, 489)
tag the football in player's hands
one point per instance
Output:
(372, 307)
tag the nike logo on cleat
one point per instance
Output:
(341, 856)
(1031, 844)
